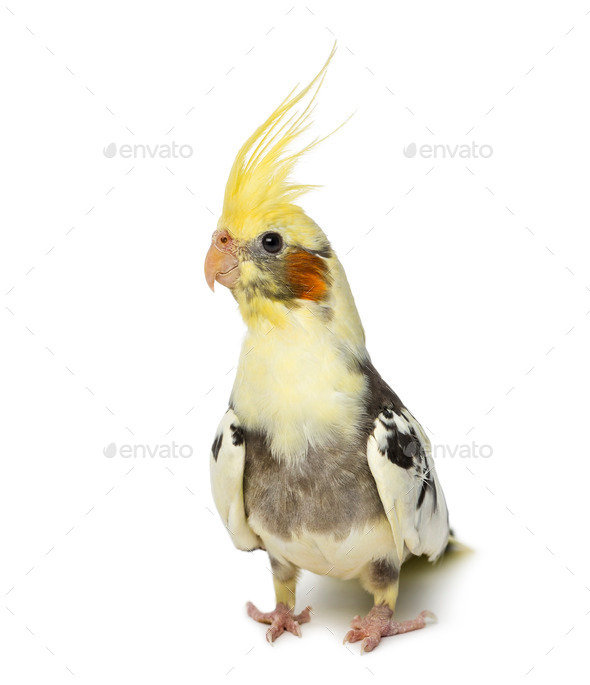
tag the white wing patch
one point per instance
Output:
(400, 459)
(228, 455)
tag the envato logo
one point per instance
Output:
(142, 451)
(465, 151)
(165, 151)
(465, 451)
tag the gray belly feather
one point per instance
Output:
(327, 491)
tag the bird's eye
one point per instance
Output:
(272, 242)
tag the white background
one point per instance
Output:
(474, 292)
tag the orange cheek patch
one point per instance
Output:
(307, 276)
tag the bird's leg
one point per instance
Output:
(282, 618)
(382, 579)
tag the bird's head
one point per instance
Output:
(282, 257)
(266, 250)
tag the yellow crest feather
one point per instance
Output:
(259, 184)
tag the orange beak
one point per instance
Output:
(221, 264)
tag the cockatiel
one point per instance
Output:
(316, 461)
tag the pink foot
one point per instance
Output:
(378, 623)
(281, 619)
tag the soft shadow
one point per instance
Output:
(422, 585)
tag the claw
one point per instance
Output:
(281, 620)
(378, 623)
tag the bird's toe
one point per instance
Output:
(304, 616)
(370, 642)
(356, 623)
(353, 636)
